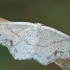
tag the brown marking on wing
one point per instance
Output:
(13, 32)
(54, 42)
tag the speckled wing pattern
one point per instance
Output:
(50, 45)
(18, 38)
(26, 40)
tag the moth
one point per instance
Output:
(26, 40)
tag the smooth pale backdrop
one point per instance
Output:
(53, 13)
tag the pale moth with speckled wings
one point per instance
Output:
(26, 40)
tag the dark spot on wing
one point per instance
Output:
(0, 34)
(55, 53)
(39, 45)
(6, 39)
(61, 52)
(11, 43)
(48, 57)
(15, 50)
(69, 51)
